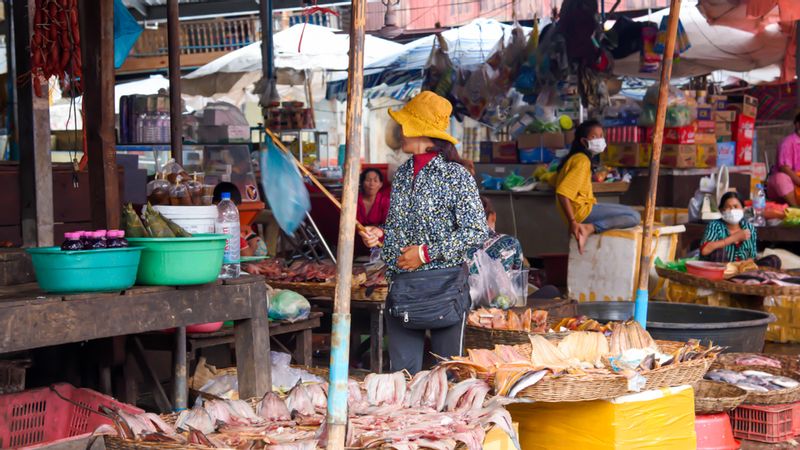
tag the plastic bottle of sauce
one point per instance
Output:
(86, 239)
(116, 239)
(99, 240)
(72, 241)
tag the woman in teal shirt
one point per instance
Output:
(731, 238)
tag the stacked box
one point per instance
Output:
(621, 155)
(726, 154)
(707, 155)
(679, 156)
(676, 135)
(625, 135)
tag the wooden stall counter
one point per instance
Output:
(34, 319)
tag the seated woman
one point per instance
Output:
(784, 181)
(731, 238)
(373, 200)
(575, 198)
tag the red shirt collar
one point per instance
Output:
(422, 159)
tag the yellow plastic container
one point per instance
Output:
(497, 439)
(787, 312)
(652, 420)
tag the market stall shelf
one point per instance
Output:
(727, 286)
(52, 320)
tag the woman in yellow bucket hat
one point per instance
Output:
(435, 216)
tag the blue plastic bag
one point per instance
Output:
(284, 187)
(126, 32)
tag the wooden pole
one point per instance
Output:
(33, 137)
(340, 340)
(658, 139)
(97, 46)
(174, 57)
(265, 16)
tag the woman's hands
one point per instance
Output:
(371, 236)
(410, 259)
(740, 236)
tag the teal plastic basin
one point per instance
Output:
(69, 272)
(180, 261)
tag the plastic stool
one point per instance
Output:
(714, 432)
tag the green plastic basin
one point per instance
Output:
(181, 260)
(69, 272)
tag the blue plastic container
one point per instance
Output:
(70, 272)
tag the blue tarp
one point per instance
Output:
(126, 32)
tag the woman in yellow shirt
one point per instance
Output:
(574, 194)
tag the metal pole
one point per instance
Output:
(180, 392)
(267, 62)
(658, 138)
(340, 341)
(174, 55)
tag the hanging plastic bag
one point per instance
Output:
(289, 306)
(284, 187)
(682, 43)
(492, 286)
(126, 32)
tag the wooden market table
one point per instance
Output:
(34, 319)
(774, 234)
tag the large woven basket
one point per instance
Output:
(579, 388)
(712, 397)
(115, 443)
(781, 396)
(727, 286)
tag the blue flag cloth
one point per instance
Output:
(126, 32)
(284, 188)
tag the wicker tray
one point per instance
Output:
(327, 290)
(115, 443)
(712, 397)
(727, 361)
(727, 286)
(789, 363)
(580, 388)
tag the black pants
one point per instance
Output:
(407, 347)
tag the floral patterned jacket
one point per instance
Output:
(440, 208)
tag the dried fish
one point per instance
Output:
(197, 419)
(630, 335)
(319, 395)
(385, 388)
(272, 408)
(585, 346)
(299, 399)
(527, 380)
(546, 355)
(241, 409)
(428, 389)
(467, 396)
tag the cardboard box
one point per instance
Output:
(223, 134)
(677, 135)
(748, 107)
(552, 141)
(707, 155)
(625, 135)
(724, 129)
(705, 113)
(744, 152)
(505, 152)
(726, 154)
(706, 126)
(621, 155)
(744, 129)
(705, 138)
(719, 102)
(645, 153)
(569, 136)
(679, 156)
(725, 116)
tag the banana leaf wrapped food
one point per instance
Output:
(131, 223)
(155, 223)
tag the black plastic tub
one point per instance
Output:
(742, 330)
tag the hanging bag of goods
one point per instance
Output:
(56, 46)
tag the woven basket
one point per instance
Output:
(580, 388)
(727, 286)
(327, 290)
(115, 443)
(712, 397)
(789, 363)
(727, 361)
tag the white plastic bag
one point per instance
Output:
(492, 286)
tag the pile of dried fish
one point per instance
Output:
(630, 351)
(753, 380)
(582, 323)
(499, 319)
(391, 414)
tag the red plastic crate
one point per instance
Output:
(38, 417)
(796, 418)
(769, 424)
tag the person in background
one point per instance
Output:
(574, 195)
(435, 216)
(731, 238)
(373, 200)
(784, 179)
(499, 246)
(251, 243)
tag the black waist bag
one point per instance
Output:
(429, 299)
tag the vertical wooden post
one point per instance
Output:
(97, 47)
(340, 340)
(33, 137)
(174, 56)
(658, 139)
(267, 62)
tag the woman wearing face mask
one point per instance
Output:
(575, 198)
(435, 216)
(731, 238)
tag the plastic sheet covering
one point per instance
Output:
(126, 32)
(786, 327)
(653, 420)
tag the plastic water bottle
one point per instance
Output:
(759, 205)
(228, 224)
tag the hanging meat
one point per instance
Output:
(56, 46)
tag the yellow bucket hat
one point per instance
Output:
(426, 115)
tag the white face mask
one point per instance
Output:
(596, 146)
(733, 216)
